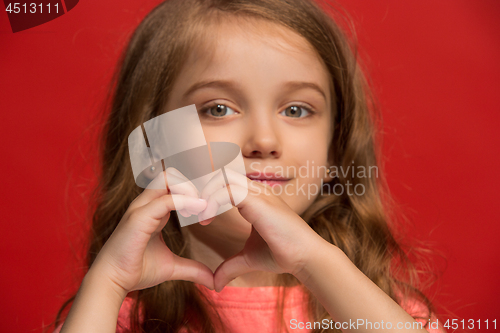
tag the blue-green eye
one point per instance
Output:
(296, 111)
(219, 110)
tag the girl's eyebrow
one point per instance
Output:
(234, 87)
(298, 85)
(222, 84)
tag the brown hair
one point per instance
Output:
(360, 225)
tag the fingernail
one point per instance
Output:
(202, 200)
(184, 213)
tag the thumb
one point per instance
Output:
(230, 269)
(192, 270)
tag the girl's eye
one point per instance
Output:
(219, 110)
(296, 111)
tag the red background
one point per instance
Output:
(436, 68)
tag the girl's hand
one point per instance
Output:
(280, 240)
(135, 256)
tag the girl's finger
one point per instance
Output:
(155, 189)
(220, 198)
(230, 269)
(243, 183)
(191, 270)
(180, 184)
(215, 183)
(219, 181)
(150, 214)
(214, 201)
(160, 186)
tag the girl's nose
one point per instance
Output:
(262, 139)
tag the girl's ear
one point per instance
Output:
(330, 169)
(329, 173)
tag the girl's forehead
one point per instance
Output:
(248, 46)
(234, 31)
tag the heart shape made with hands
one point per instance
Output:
(215, 193)
(169, 152)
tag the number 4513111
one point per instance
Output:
(31, 8)
(470, 324)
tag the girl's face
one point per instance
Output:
(263, 87)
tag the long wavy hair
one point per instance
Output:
(362, 226)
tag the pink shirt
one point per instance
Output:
(250, 310)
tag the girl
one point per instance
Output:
(280, 79)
